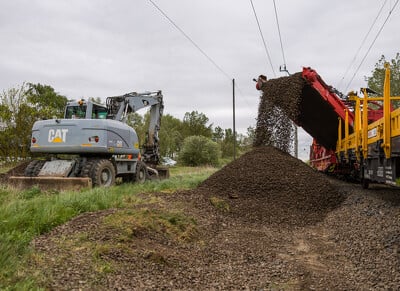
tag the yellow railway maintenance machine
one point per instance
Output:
(372, 149)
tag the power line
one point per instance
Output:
(361, 45)
(201, 50)
(373, 42)
(191, 40)
(262, 37)
(279, 32)
(198, 48)
(242, 95)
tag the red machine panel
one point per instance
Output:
(320, 109)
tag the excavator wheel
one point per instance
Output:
(34, 167)
(141, 172)
(103, 173)
(87, 168)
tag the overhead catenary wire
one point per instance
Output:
(199, 49)
(190, 39)
(280, 36)
(361, 45)
(373, 42)
(262, 37)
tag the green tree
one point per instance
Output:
(195, 123)
(46, 101)
(171, 138)
(136, 121)
(246, 140)
(218, 134)
(170, 135)
(199, 150)
(375, 82)
(20, 108)
(227, 144)
(17, 117)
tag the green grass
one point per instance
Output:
(220, 204)
(27, 214)
(4, 168)
(171, 223)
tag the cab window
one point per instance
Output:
(99, 112)
(73, 112)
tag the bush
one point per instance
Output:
(198, 150)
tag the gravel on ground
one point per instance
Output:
(264, 222)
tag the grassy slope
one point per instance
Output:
(27, 214)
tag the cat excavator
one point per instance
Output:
(93, 145)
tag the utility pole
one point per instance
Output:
(234, 122)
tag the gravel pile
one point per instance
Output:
(367, 229)
(270, 186)
(279, 105)
(264, 222)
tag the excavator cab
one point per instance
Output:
(85, 110)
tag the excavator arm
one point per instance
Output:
(118, 108)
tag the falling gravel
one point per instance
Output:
(279, 105)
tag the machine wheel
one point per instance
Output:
(87, 168)
(34, 167)
(103, 173)
(141, 172)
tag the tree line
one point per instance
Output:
(191, 140)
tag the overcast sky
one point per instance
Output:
(99, 48)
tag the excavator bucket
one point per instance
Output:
(50, 183)
(163, 172)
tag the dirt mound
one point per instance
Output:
(273, 187)
(279, 104)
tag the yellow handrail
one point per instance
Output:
(386, 113)
(365, 125)
(365, 133)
